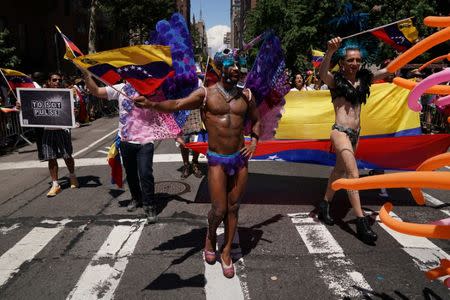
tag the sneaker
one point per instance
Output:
(150, 212)
(133, 205)
(74, 183)
(196, 170)
(54, 191)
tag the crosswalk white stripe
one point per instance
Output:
(86, 162)
(219, 287)
(5, 230)
(424, 253)
(337, 271)
(25, 250)
(103, 274)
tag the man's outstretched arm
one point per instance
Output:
(193, 101)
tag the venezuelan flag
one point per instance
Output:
(310, 114)
(317, 57)
(115, 163)
(72, 50)
(145, 67)
(17, 79)
(400, 35)
(381, 153)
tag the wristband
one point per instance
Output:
(254, 135)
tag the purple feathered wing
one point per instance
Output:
(269, 84)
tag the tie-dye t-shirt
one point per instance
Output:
(141, 125)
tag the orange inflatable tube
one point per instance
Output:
(409, 84)
(430, 164)
(423, 230)
(439, 58)
(433, 21)
(419, 48)
(442, 270)
(420, 179)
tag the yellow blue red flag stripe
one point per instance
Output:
(145, 67)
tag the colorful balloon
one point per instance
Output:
(430, 164)
(422, 230)
(439, 58)
(421, 87)
(421, 179)
(437, 21)
(409, 84)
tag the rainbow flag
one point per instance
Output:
(72, 50)
(145, 67)
(115, 163)
(317, 57)
(17, 79)
(400, 35)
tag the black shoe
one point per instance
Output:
(196, 170)
(186, 171)
(365, 233)
(150, 212)
(133, 205)
(324, 212)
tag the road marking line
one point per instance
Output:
(424, 253)
(103, 274)
(94, 143)
(86, 162)
(102, 152)
(219, 287)
(5, 230)
(336, 270)
(25, 250)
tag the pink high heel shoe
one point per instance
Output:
(210, 256)
(227, 270)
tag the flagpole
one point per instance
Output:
(373, 29)
(6, 80)
(206, 70)
(250, 44)
(101, 80)
(90, 73)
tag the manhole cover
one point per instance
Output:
(172, 187)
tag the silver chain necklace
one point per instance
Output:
(228, 95)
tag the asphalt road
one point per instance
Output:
(83, 244)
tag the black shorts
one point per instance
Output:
(56, 144)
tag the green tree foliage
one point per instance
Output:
(7, 57)
(303, 25)
(136, 17)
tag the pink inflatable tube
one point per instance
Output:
(422, 86)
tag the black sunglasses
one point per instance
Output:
(56, 79)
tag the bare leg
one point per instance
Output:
(217, 182)
(345, 152)
(70, 163)
(236, 189)
(53, 168)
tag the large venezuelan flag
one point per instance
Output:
(17, 79)
(382, 153)
(391, 136)
(310, 114)
(145, 67)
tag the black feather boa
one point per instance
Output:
(358, 95)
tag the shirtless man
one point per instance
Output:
(349, 89)
(224, 108)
